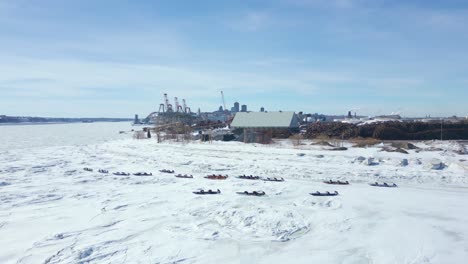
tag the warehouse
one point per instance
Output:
(259, 127)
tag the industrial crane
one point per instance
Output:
(163, 108)
(186, 108)
(168, 105)
(177, 105)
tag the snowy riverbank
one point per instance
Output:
(53, 211)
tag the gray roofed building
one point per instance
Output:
(265, 120)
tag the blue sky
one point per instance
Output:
(116, 58)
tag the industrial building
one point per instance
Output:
(220, 115)
(261, 126)
(235, 108)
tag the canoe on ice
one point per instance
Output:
(184, 176)
(247, 177)
(254, 193)
(274, 179)
(121, 174)
(202, 192)
(336, 182)
(376, 184)
(216, 177)
(325, 193)
(143, 174)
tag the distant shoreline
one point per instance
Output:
(57, 123)
(28, 120)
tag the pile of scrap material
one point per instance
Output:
(332, 130)
(201, 125)
(390, 130)
(216, 177)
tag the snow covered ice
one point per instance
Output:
(52, 211)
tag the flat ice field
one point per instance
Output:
(52, 211)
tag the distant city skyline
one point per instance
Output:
(117, 58)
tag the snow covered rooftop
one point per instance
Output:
(265, 119)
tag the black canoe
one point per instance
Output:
(216, 177)
(103, 171)
(167, 171)
(143, 174)
(336, 182)
(274, 179)
(254, 193)
(184, 176)
(87, 169)
(202, 192)
(376, 184)
(251, 177)
(325, 193)
(121, 174)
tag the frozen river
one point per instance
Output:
(46, 135)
